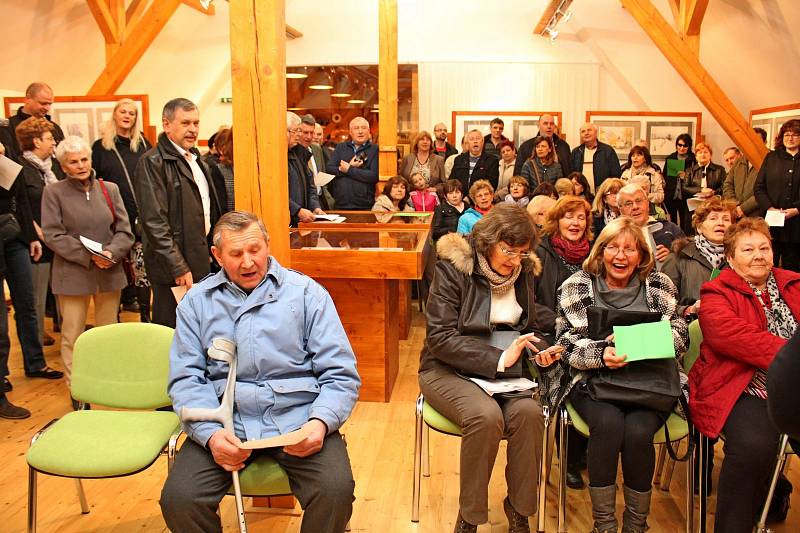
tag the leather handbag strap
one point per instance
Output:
(109, 203)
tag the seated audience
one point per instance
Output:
(618, 275)
(518, 192)
(546, 189)
(655, 211)
(580, 187)
(395, 197)
(355, 165)
(604, 207)
(749, 312)
(783, 394)
(564, 187)
(303, 199)
(481, 284)
(83, 206)
(481, 194)
(703, 180)
(776, 190)
(446, 214)
(640, 163)
(474, 164)
(422, 197)
(633, 203)
(538, 208)
(423, 160)
(300, 372)
(542, 166)
(739, 182)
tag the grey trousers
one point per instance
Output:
(484, 421)
(322, 483)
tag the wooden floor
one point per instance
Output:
(380, 440)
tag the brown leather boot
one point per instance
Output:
(462, 526)
(517, 523)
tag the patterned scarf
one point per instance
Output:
(572, 252)
(608, 215)
(45, 167)
(499, 284)
(714, 253)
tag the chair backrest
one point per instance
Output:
(695, 340)
(123, 365)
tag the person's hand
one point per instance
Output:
(344, 166)
(36, 250)
(2, 149)
(185, 279)
(611, 359)
(319, 211)
(356, 162)
(705, 192)
(515, 350)
(311, 444)
(549, 356)
(224, 447)
(304, 215)
(790, 213)
(661, 252)
(739, 212)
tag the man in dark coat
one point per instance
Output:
(38, 99)
(355, 165)
(547, 128)
(303, 199)
(475, 164)
(440, 145)
(178, 206)
(595, 160)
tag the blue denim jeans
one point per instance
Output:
(19, 279)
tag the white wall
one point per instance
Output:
(470, 54)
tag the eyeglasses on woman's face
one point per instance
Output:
(682, 145)
(613, 250)
(791, 135)
(511, 253)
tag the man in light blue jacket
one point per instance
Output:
(295, 369)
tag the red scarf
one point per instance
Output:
(481, 211)
(573, 252)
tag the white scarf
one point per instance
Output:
(43, 166)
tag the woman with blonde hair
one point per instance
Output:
(422, 160)
(604, 206)
(114, 158)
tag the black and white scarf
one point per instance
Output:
(714, 253)
(44, 166)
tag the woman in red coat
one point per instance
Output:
(747, 315)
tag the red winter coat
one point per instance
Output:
(735, 343)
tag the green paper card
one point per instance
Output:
(651, 340)
(714, 274)
(674, 166)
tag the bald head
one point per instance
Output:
(589, 134)
(547, 125)
(38, 99)
(440, 132)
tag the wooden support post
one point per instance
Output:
(697, 77)
(387, 88)
(258, 75)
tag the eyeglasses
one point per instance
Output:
(511, 253)
(681, 145)
(614, 250)
(631, 203)
(790, 134)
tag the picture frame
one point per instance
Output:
(85, 115)
(661, 136)
(621, 135)
(772, 118)
(519, 125)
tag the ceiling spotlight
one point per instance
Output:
(206, 3)
(552, 33)
(320, 81)
(564, 17)
(297, 73)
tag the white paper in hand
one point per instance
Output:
(287, 439)
(92, 246)
(322, 179)
(775, 218)
(9, 170)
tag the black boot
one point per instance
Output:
(462, 526)
(143, 297)
(517, 523)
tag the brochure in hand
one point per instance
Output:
(651, 340)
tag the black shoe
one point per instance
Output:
(11, 411)
(462, 526)
(7, 386)
(132, 307)
(574, 478)
(517, 523)
(46, 373)
(76, 405)
(48, 340)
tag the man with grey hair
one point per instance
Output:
(475, 164)
(739, 183)
(355, 165)
(632, 202)
(595, 160)
(296, 371)
(38, 100)
(178, 206)
(317, 161)
(303, 200)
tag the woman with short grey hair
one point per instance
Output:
(85, 224)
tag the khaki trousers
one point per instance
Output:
(73, 310)
(484, 421)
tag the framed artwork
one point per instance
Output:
(772, 118)
(85, 115)
(519, 125)
(661, 136)
(621, 135)
(655, 129)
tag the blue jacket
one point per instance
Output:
(606, 162)
(294, 360)
(356, 189)
(468, 219)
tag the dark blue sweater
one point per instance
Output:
(355, 189)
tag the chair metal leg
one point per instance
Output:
(31, 500)
(82, 496)
(417, 462)
(426, 450)
(690, 487)
(542, 486)
(562, 470)
(761, 527)
(702, 476)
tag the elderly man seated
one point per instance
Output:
(295, 369)
(633, 203)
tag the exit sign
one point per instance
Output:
(226, 100)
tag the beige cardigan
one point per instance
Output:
(435, 163)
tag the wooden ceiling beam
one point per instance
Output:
(548, 13)
(135, 10)
(688, 65)
(292, 33)
(694, 16)
(196, 5)
(105, 21)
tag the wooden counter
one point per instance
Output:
(362, 270)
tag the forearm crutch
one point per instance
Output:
(222, 350)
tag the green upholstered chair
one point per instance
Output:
(124, 367)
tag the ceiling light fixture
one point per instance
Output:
(297, 73)
(343, 87)
(320, 81)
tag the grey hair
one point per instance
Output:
(292, 119)
(630, 189)
(308, 119)
(236, 221)
(175, 104)
(72, 145)
(728, 149)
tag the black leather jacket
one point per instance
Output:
(171, 214)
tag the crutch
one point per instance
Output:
(222, 350)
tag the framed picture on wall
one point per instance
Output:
(85, 115)
(661, 136)
(518, 125)
(621, 135)
(772, 118)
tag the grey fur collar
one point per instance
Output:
(457, 249)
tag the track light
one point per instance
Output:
(552, 33)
